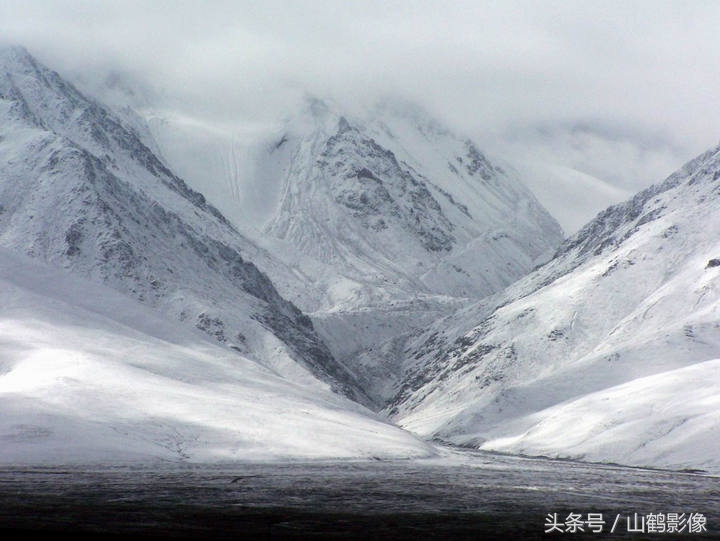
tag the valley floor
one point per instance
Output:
(457, 495)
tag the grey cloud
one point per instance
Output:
(486, 67)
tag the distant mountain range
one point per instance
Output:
(390, 218)
(332, 263)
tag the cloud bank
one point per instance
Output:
(522, 77)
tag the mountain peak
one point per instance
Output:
(16, 61)
(313, 115)
(10, 52)
(400, 186)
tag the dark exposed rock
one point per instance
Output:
(477, 163)
(384, 190)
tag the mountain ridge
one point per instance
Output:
(84, 192)
(631, 296)
(89, 383)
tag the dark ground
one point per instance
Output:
(467, 496)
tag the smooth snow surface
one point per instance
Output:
(671, 420)
(571, 196)
(80, 189)
(88, 375)
(581, 357)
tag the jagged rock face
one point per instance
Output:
(632, 296)
(356, 200)
(390, 194)
(408, 222)
(386, 219)
(398, 200)
(79, 189)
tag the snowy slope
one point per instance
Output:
(671, 419)
(412, 219)
(398, 200)
(90, 375)
(389, 219)
(380, 205)
(636, 293)
(80, 189)
(377, 205)
(571, 196)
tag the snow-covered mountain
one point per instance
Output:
(79, 189)
(89, 375)
(389, 218)
(382, 204)
(607, 352)
(397, 200)
(411, 218)
(405, 251)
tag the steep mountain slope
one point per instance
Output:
(396, 200)
(412, 220)
(385, 204)
(572, 196)
(389, 219)
(80, 189)
(617, 333)
(90, 375)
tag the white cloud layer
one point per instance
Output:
(602, 74)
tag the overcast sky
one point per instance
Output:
(580, 81)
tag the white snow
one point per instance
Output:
(88, 375)
(669, 420)
(80, 190)
(362, 273)
(266, 180)
(570, 195)
(641, 302)
(377, 227)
